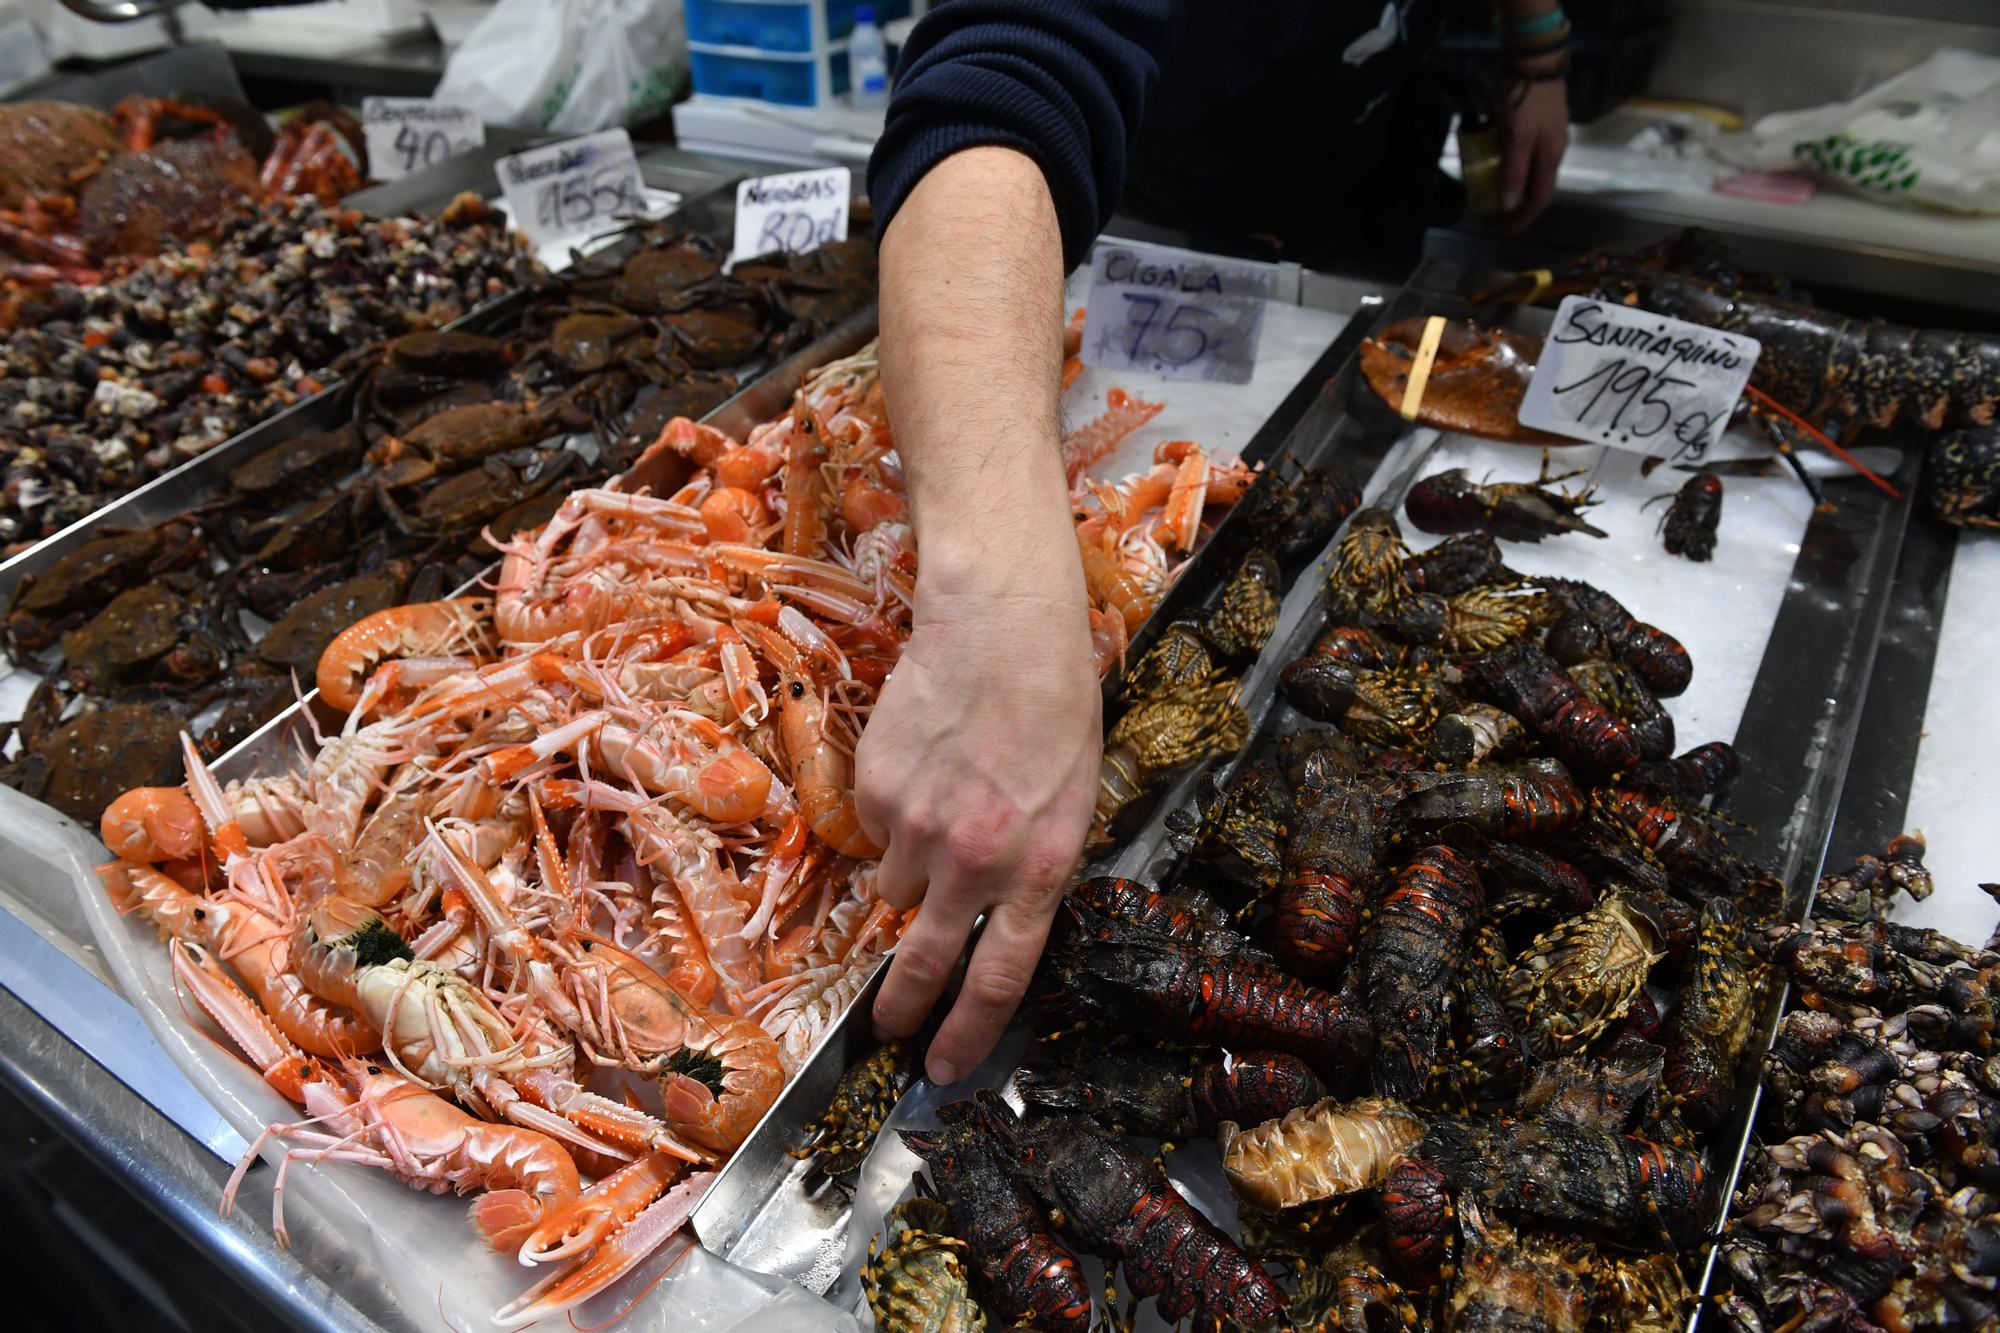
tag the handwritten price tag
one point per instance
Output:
(1614, 375)
(796, 211)
(406, 134)
(1184, 317)
(573, 188)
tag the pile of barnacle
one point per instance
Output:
(441, 442)
(105, 387)
(1867, 1203)
(1458, 983)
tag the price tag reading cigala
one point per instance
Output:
(1610, 374)
(796, 211)
(575, 187)
(1182, 316)
(406, 134)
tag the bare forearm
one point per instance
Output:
(971, 330)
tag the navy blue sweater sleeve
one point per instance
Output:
(1064, 81)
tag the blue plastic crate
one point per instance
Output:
(778, 25)
(781, 78)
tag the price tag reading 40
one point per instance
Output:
(573, 188)
(1614, 375)
(1177, 315)
(407, 134)
(796, 211)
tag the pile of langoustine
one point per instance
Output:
(1456, 983)
(603, 819)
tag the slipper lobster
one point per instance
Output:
(1179, 991)
(1165, 1095)
(1407, 960)
(1526, 681)
(1118, 1203)
(1024, 1272)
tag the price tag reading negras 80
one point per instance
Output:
(407, 134)
(573, 188)
(1614, 375)
(1175, 315)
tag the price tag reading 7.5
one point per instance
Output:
(1614, 375)
(1174, 314)
(575, 187)
(406, 134)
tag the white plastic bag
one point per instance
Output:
(571, 66)
(1930, 135)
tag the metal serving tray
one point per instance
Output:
(1797, 724)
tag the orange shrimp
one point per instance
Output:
(152, 824)
(612, 1259)
(1180, 524)
(805, 483)
(453, 628)
(748, 467)
(822, 773)
(1086, 444)
(1118, 590)
(732, 514)
(1108, 640)
(721, 780)
(865, 503)
(704, 445)
(250, 942)
(600, 1210)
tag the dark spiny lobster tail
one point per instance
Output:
(1251, 1087)
(1024, 1271)
(1618, 1188)
(1320, 687)
(1119, 1204)
(1165, 1094)
(1458, 564)
(1329, 867)
(1592, 617)
(1702, 771)
(1221, 999)
(1417, 1212)
(1177, 916)
(1407, 960)
(1700, 863)
(1688, 527)
(1449, 502)
(1530, 880)
(1535, 799)
(1527, 682)
(1705, 1038)
(1620, 690)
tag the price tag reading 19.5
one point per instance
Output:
(1174, 314)
(407, 134)
(1614, 375)
(573, 188)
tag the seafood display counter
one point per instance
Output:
(349, 1265)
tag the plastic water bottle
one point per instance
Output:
(867, 62)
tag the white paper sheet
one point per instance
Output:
(1955, 791)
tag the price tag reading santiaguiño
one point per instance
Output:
(407, 134)
(573, 188)
(1183, 316)
(1610, 374)
(796, 211)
